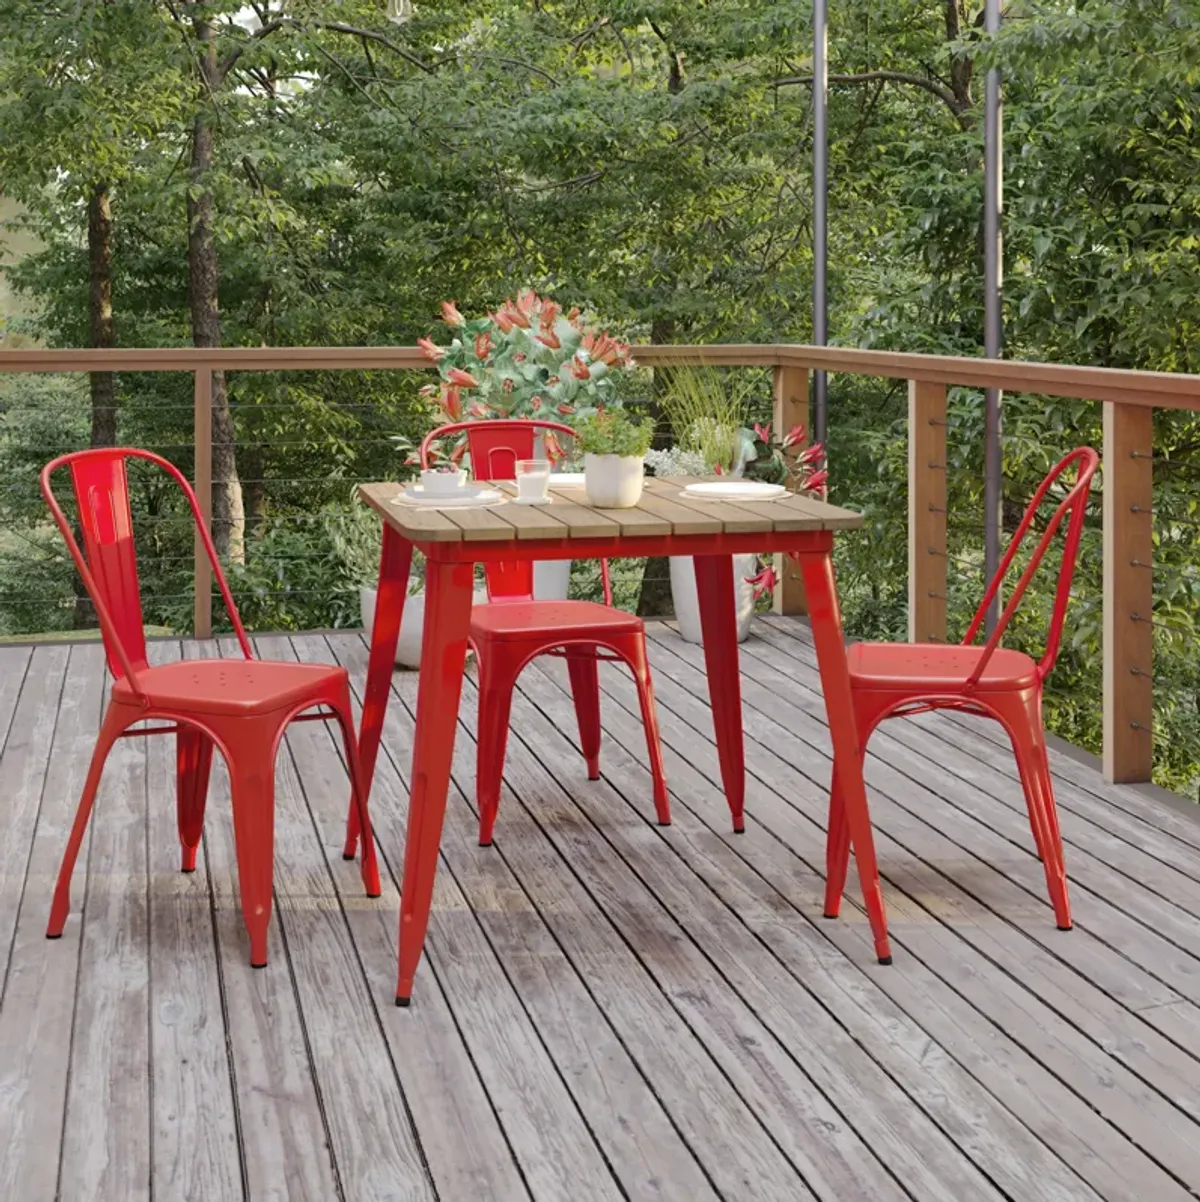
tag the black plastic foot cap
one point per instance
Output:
(58, 936)
(739, 827)
(828, 915)
(664, 822)
(593, 776)
(373, 896)
(189, 871)
(485, 842)
(885, 959)
(262, 965)
(1068, 927)
(403, 1001)
(348, 855)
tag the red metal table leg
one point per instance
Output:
(448, 595)
(394, 564)
(718, 625)
(821, 592)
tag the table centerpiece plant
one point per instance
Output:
(614, 447)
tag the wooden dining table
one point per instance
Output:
(664, 522)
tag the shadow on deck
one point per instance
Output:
(607, 1009)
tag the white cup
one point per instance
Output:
(533, 479)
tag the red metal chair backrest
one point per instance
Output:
(1075, 504)
(495, 447)
(108, 562)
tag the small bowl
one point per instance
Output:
(443, 483)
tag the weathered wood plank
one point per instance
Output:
(195, 1135)
(742, 1000)
(461, 1137)
(640, 1145)
(379, 1161)
(107, 1130)
(286, 1140)
(38, 1003)
(1166, 1135)
(1122, 1175)
(22, 773)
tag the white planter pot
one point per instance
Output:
(412, 624)
(687, 601)
(551, 579)
(613, 481)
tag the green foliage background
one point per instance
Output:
(648, 160)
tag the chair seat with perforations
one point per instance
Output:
(937, 665)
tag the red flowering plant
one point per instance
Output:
(527, 359)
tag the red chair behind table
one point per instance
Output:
(513, 628)
(240, 706)
(895, 679)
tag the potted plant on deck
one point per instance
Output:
(709, 420)
(528, 359)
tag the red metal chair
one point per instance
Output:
(513, 628)
(896, 679)
(239, 706)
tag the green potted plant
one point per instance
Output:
(614, 446)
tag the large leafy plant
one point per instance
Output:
(528, 359)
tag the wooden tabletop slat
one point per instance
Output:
(421, 525)
(662, 511)
(533, 521)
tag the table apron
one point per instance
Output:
(810, 542)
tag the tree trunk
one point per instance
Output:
(101, 335)
(100, 314)
(228, 522)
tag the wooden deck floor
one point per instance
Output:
(607, 1009)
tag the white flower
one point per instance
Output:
(675, 461)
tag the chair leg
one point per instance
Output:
(358, 795)
(193, 763)
(837, 849)
(496, 684)
(115, 721)
(635, 656)
(252, 777)
(585, 689)
(1024, 722)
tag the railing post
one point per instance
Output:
(1128, 591)
(790, 409)
(926, 512)
(202, 436)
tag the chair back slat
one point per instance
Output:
(1073, 509)
(495, 447)
(101, 486)
(107, 562)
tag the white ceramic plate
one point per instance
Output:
(734, 490)
(566, 479)
(473, 495)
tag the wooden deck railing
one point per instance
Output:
(1129, 398)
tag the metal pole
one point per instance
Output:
(820, 94)
(993, 273)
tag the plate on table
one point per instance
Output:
(734, 490)
(566, 480)
(471, 496)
